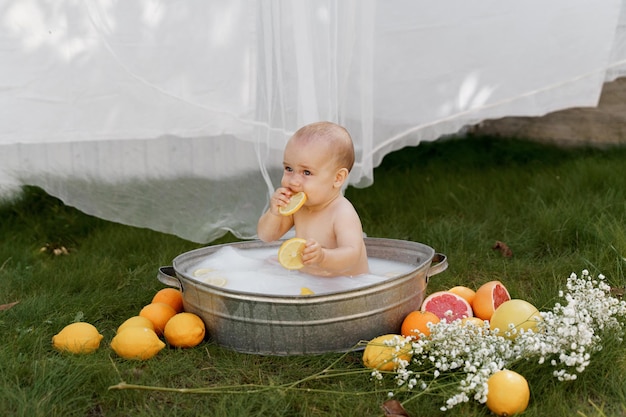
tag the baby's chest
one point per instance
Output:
(318, 227)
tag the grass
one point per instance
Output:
(559, 210)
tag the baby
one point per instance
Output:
(317, 161)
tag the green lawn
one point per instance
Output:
(559, 210)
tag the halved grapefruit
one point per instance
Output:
(489, 297)
(447, 305)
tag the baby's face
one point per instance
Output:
(310, 167)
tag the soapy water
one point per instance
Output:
(256, 270)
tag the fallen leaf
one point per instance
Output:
(618, 292)
(7, 306)
(503, 248)
(393, 408)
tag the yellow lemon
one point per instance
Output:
(508, 393)
(136, 321)
(77, 338)
(384, 352)
(290, 253)
(295, 203)
(137, 343)
(473, 321)
(184, 330)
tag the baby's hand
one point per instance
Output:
(313, 253)
(279, 199)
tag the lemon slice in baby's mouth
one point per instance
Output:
(295, 203)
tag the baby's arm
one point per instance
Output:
(272, 225)
(336, 261)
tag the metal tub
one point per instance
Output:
(296, 325)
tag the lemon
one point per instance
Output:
(306, 291)
(290, 253)
(383, 352)
(184, 330)
(77, 338)
(508, 393)
(136, 321)
(473, 321)
(137, 343)
(295, 203)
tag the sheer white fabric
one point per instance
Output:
(173, 115)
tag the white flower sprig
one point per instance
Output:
(463, 357)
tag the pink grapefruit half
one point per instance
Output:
(488, 298)
(447, 305)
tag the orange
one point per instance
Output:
(415, 324)
(290, 253)
(464, 292)
(184, 330)
(489, 297)
(295, 203)
(159, 314)
(508, 393)
(170, 296)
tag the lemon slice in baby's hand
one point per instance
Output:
(295, 202)
(290, 253)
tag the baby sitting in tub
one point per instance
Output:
(317, 161)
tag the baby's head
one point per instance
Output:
(317, 160)
(334, 140)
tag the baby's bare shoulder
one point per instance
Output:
(344, 206)
(345, 215)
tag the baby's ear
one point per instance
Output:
(341, 176)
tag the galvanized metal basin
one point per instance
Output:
(295, 325)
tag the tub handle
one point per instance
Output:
(167, 275)
(438, 264)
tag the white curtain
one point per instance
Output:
(172, 115)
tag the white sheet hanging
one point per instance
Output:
(172, 115)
